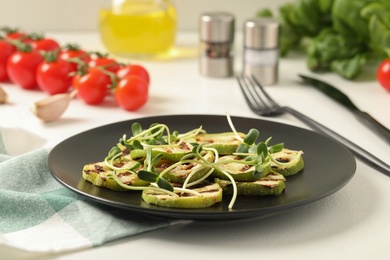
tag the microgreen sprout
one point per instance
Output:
(136, 129)
(130, 187)
(205, 159)
(116, 153)
(154, 136)
(230, 122)
(205, 165)
(150, 176)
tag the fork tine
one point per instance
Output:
(247, 95)
(270, 99)
(260, 99)
(252, 96)
(359, 152)
(256, 97)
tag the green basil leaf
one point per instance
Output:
(349, 68)
(265, 12)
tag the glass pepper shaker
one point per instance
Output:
(261, 49)
(216, 30)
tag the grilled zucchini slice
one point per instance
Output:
(289, 162)
(239, 171)
(274, 185)
(209, 194)
(180, 173)
(225, 143)
(99, 174)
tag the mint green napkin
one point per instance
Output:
(39, 214)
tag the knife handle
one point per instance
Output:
(372, 123)
(359, 152)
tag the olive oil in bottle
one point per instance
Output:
(138, 27)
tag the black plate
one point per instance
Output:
(328, 166)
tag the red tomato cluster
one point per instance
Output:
(34, 61)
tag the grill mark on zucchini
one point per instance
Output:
(269, 177)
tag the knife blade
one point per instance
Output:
(344, 100)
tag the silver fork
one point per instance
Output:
(260, 102)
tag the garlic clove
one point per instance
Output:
(52, 107)
(3, 96)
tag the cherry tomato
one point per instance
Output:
(105, 63)
(16, 35)
(75, 53)
(13, 33)
(53, 76)
(383, 74)
(22, 66)
(6, 49)
(134, 69)
(92, 87)
(131, 93)
(41, 43)
(45, 44)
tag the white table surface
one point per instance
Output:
(350, 224)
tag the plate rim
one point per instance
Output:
(179, 213)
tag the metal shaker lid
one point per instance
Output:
(216, 27)
(261, 33)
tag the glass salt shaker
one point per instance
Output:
(261, 49)
(216, 30)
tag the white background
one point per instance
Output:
(353, 223)
(65, 15)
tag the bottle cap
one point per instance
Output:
(216, 27)
(261, 33)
